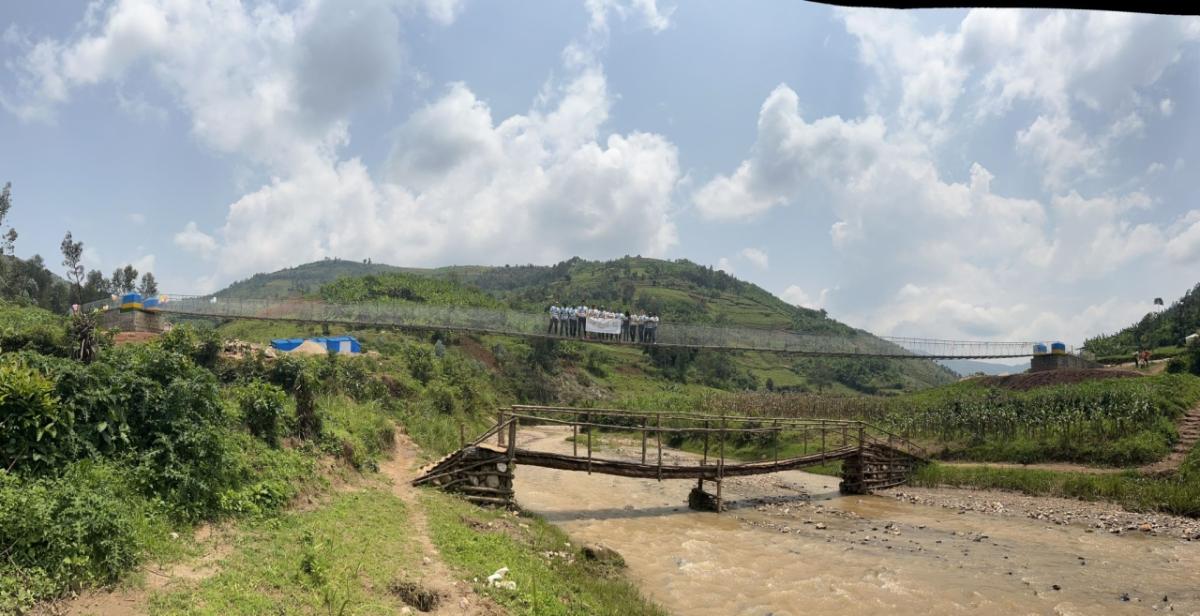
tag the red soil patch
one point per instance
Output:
(1030, 380)
(471, 347)
(134, 337)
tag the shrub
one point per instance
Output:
(60, 533)
(35, 432)
(201, 345)
(262, 406)
(1176, 365)
(31, 329)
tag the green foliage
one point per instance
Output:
(1157, 329)
(35, 432)
(87, 339)
(32, 329)
(1111, 421)
(262, 407)
(86, 526)
(201, 344)
(356, 432)
(405, 287)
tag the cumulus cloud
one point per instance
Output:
(1184, 246)
(995, 59)
(1166, 107)
(922, 254)
(193, 240)
(276, 86)
(724, 265)
(798, 297)
(756, 256)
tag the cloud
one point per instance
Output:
(798, 297)
(757, 256)
(724, 265)
(924, 255)
(1184, 246)
(994, 60)
(1166, 107)
(137, 218)
(277, 86)
(195, 241)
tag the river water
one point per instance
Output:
(792, 545)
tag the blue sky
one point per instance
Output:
(960, 174)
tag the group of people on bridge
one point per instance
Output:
(602, 324)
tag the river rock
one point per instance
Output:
(603, 554)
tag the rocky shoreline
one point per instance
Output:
(1093, 516)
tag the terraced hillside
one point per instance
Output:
(679, 291)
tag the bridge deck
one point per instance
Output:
(622, 468)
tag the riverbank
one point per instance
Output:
(791, 544)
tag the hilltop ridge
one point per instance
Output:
(679, 291)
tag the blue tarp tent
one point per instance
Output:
(340, 344)
(286, 344)
(335, 344)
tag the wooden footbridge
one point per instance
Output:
(482, 471)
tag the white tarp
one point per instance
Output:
(601, 325)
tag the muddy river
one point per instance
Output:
(792, 545)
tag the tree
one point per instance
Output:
(149, 285)
(72, 257)
(124, 279)
(9, 237)
(95, 286)
(131, 277)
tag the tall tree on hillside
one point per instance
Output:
(72, 260)
(149, 285)
(124, 279)
(130, 280)
(95, 286)
(117, 284)
(6, 240)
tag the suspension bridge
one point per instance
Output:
(871, 457)
(425, 317)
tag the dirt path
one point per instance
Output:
(1189, 435)
(457, 595)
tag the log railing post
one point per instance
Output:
(778, 434)
(823, 450)
(658, 437)
(721, 466)
(500, 428)
(575, 437)
(643, 439)
(512, 441)
(704, 460)
(588, 419)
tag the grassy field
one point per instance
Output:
(339, 558)
(1179, 494)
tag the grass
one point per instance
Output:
(1113, 422)
(1179, 495)
(338, 559)
(546, 585)
(357, 432)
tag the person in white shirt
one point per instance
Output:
(581, 319)
(553, 327)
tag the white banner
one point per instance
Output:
(601, 325)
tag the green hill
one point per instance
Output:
(1156, 330)
(679, 291)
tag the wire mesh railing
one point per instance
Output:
(517, 323)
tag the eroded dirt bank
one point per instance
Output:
(792, 545)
